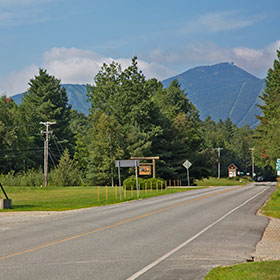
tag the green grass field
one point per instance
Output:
(211, 181)
(269, 270)
(68, 198)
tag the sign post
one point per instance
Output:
(136, 176)
(187, 165)
(120, 183)
(127, 163)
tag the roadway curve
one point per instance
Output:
(178, 236)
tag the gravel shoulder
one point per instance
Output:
(269, 247)
(8, 219)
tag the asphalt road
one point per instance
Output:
(179, 236)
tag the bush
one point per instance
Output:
(155, 182)
(131, 181)
(66, 173)
(30, 178)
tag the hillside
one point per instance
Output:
(76, 97)
(221, 91)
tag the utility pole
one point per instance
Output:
(46, 149)
(253, 164)
(219, 162)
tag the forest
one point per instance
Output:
(130, 116)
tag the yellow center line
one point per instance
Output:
(56, 242)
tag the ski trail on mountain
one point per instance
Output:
(252, 106)
(236, 99)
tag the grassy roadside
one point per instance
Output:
(268, 270)
(69, 198)
(272, 207)
(211, 181)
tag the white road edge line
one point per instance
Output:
(162, 258)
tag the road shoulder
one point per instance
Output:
(269, 246)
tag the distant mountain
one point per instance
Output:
(76, 97)
(221, 91)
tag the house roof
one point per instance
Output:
(231, 166)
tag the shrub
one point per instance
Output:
(131, 181)
(66, 173)
(30, 178)
(156, 182)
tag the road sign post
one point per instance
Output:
(127, 163)
(187, 165)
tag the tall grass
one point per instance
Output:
(29, 178)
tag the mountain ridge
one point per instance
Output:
(220, 91)
(77, 97)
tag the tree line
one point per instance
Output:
(130, 116)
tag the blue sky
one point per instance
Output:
(72, 38)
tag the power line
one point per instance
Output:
(58, 149)
(51, 157)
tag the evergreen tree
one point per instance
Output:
(44, 101)
(11, 137)
(104, 148)
(123, 96)
(66, 173)
(268, 133)
(182, 132)
(234, 142)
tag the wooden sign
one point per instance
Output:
(145, 170)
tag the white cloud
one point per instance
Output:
(73, 65)
(80, 66)
(255, 61)
(17, 82)
(220, 21)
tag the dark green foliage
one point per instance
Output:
(13, 139)
(44, 101)
(153, 183)
(182, 137)
(121, 99)
(129, 116)
(66, 173)
(268, 133)
(234, 142)
(104, 142)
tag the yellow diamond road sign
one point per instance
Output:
(187, 164)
